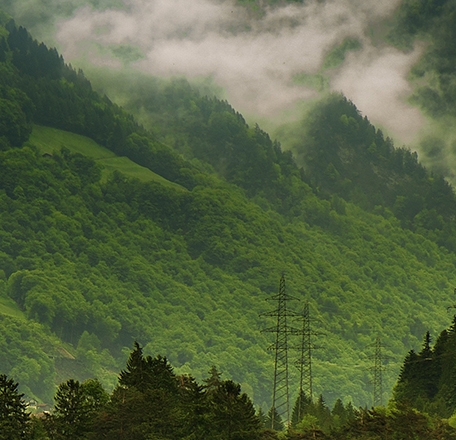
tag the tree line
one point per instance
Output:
(150, 401)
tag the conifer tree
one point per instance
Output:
(76, 406)
(232, 414)
(418, 381)
(350, 412)
(146, 402)
(429, 375)
(274, 420)
(339, 414)
(13, 411)
(445, 359)
(323, 413)
(194, 408)
(213, 381)
(135, 372)
(404, 391)
(262, 417)
(300, 408)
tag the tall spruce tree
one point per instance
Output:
(274, 420)
(136, 369)
(232, 414)
(75, 408)
(300, 408)
(339, 414)
(146, 403)
(212, 382)
(194, 408)
(427, 380)
(14, 418)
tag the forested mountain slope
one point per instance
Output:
(338, 153)
(184, 269)
(341, 153)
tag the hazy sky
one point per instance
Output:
(254, 60)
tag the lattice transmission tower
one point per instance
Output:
(281, 331)
(304, 362)
(377, 370)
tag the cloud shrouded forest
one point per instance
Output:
(271, 61)
(95, 260)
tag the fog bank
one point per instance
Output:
(256, 59)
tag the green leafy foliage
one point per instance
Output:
(344, 155)
(206, 131)
(75, 408)
(63, 98)
(398, 423)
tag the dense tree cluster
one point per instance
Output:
(342, 152)
(215, 137)
(149, 402)
(13, 411)
(72, 247)
(59, 96)
(427, 379)
(344, 155)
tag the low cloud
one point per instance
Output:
(376, 81)
(255, 59)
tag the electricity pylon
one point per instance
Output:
(280, 394)
(377, 369)
(304, 361)
(305, 356)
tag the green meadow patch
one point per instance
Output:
(50, 140)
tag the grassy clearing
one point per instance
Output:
(9, 307)
(50, 140)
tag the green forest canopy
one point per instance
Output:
(184, 267)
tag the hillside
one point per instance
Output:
(98, 259)
(50, 140)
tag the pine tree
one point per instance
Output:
(147, 400)
(323, 413)
(232, 414)
(194, 408)
(405, 388)
(339, 414)
(419, 377)
(429, 371)
(274, 420)
(262, 417)
(76, 405)
(300, 408)
(445, 359)
(135, 373)
(213, 381)
(350, 412)
(13, 411)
